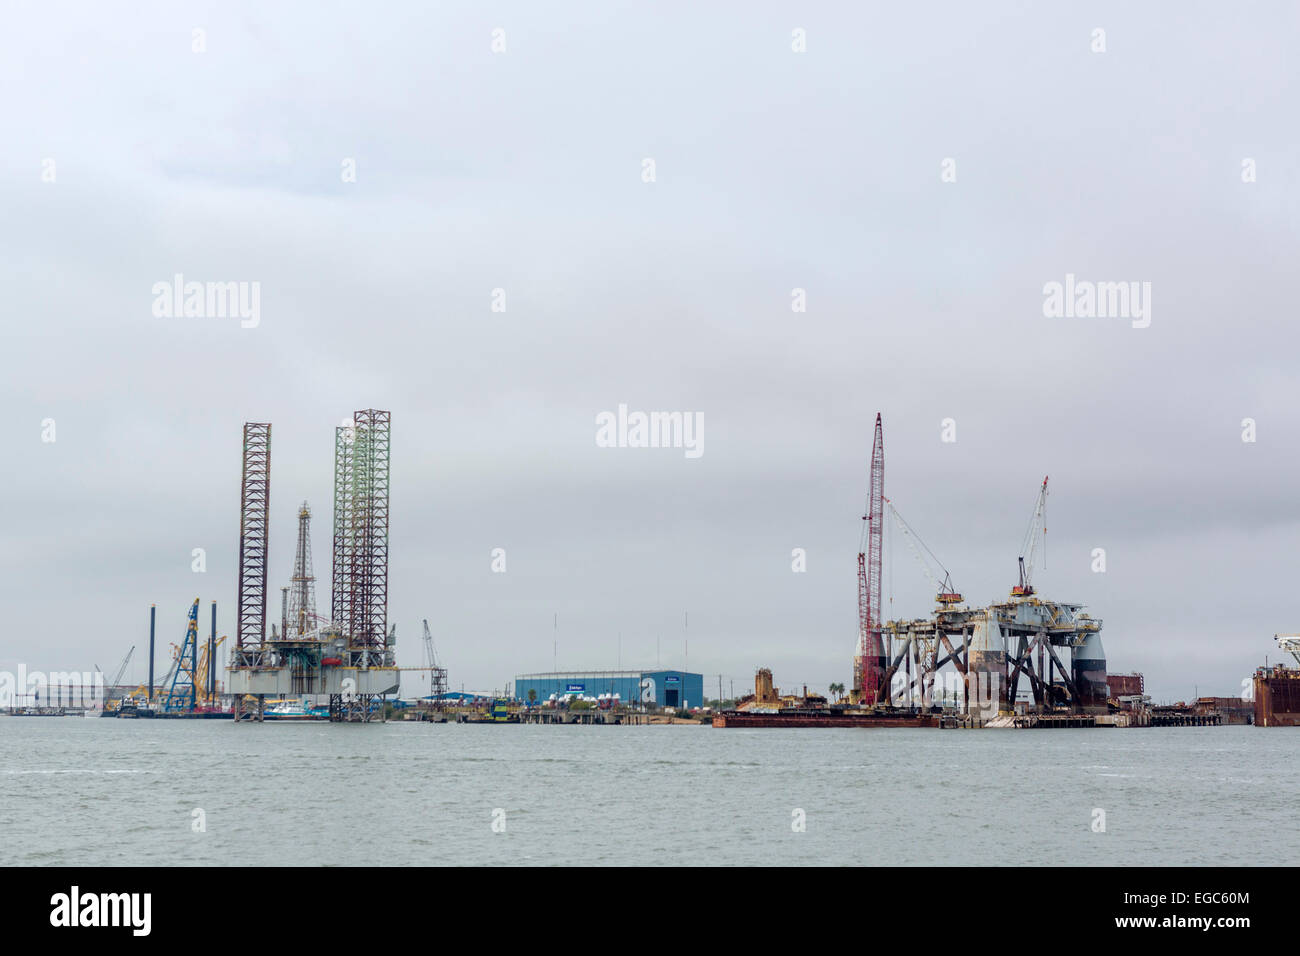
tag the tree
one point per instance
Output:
(532, 695)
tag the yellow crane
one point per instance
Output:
(141, 694)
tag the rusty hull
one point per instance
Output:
(1277, 697)
(797, 718)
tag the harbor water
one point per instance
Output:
(87, 792)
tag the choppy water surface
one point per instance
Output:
(93, 792)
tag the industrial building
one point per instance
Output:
(663, 688)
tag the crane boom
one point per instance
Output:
(117, 678)
(945, 593)
(437, 675)
(1289, 643)
(430, 658)
(869, 665)
(1029, 547)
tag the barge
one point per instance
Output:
(822, 718)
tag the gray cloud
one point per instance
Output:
(775, 171)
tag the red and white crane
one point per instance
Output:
(869, 662)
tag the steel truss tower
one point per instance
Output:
(359, 598)
(302, 591)
(341, 581)
(254, 512)
(369, 599)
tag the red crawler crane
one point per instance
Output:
(871, 660)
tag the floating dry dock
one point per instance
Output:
(1277, 688)
(768, 707)
(1277, 697)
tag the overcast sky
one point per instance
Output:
(774, 170)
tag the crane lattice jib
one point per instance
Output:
(944, 591)
(117, 678)
(1289, 643)
(437, 675)
(1038, 527)
(1036, 531)
(869, 567)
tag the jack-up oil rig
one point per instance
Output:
(351, 656)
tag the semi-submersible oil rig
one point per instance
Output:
(1055, 648)
(961, 666)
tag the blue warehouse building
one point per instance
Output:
(662, 688)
